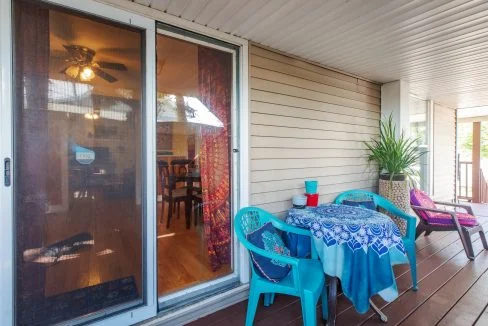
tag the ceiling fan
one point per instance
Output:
(81, 65)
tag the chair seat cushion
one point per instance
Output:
(266, 237)
(369, 204)
(446, 219)
(420, 198)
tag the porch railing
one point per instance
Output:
(483, 188)
(465, 191)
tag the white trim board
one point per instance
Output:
(6, 150)
(202, 308)
(172, 20)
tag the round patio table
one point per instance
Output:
(359, 246)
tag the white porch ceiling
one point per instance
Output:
(439, 46)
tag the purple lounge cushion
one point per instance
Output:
(420, 198)
(446, 219)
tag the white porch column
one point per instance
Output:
(394, 101)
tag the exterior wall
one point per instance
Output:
(444, 152)
(307, 122)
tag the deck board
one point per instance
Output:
(452, 291)
(468, 308)
(483, 318)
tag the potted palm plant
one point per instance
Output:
(396, 158)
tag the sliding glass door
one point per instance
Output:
(123, 165)
(195, 109)
(78, 165)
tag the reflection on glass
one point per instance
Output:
(193, 146)
(78, 169)
(193, 111)
(419, 128)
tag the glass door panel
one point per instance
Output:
(78, 180)
(194, 97)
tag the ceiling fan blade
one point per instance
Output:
(112, 65)
(102, 74)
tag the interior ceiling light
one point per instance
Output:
(72, 71)
(82, 66)
(87, 74)
(93, 115)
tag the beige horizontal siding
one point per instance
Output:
(307, 122)
(300, 102)
(256, 50)
(444, 152)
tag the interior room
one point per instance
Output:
(187, 127)
(78, 127)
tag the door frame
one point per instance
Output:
(138, 15)
(6, 149)
(193, 292)
(147, 194)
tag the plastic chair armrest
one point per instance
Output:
(468, 208)
(271, 255)
(411, 221)
(283, 226)
(297, 230)
(411, 226)
(434, 210)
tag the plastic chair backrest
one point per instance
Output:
(384, 204)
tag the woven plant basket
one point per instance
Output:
(396, 191)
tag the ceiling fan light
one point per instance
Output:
(72, 71)
(92, 116)
(87, 74)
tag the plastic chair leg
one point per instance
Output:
(325, 310)
(309, 311)
(271, 298)
(466, 241)
(413, 265)
(268, 299)
(252, 305)
(483, 239)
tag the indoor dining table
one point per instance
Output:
(356, 245)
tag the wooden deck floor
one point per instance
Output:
(452, 291)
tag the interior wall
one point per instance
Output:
(444, 152)
(307, 122)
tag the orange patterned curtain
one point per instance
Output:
(215, 87)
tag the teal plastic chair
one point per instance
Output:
(408, 239)
(306, 279)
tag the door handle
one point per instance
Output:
(7, 172)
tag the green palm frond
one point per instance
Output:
(394, 155)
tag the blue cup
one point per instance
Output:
(311, 186)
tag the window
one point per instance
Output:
(420, 127)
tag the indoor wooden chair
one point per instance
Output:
(170, 193)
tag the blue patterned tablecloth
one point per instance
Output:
(357, 245)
